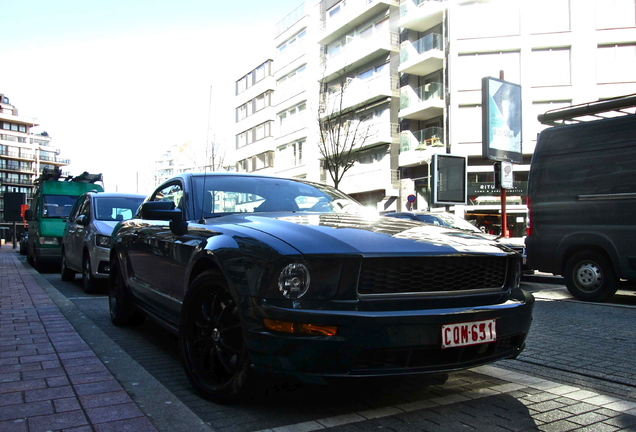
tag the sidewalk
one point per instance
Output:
(50, 379)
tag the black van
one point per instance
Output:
(582, 197)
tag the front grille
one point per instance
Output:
(434, 357)
(421, 275)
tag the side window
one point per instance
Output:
(85, 207)
(75, 210)
(172, 192)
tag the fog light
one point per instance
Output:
(300, 328)
(293, 281)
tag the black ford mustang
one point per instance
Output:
(293, 277)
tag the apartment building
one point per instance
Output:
(23, 155)
(408, 75)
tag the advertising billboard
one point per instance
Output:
(449, 179)
(501, 120)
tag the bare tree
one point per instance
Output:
(342, 130)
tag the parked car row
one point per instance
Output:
(86, 238)
(257, 273)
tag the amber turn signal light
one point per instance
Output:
(300, 328)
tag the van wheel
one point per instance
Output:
(589, 276)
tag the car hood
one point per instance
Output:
(347, 234)
(104, 227)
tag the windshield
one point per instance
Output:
(57, 206)
(116, 208)
(236, 194)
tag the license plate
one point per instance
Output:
(468, 333)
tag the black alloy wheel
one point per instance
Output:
(211, 340)
(120, 303)
(88, 283)
(589, 276)
(66, 273)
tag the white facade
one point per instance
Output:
(413, 71)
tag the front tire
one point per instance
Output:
(589, 276)
(120, 303)
(66, 273)
(212, 342)
(88, 282)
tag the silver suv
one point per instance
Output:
(86, 240)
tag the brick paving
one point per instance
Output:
(50, 379)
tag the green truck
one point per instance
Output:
(53, 198)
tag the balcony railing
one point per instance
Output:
(358, 92)
(420, 140)
(429, 42)
(357, 51)
(411, 97)
(12, 181)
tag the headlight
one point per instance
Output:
(102, 241)
(293, 281)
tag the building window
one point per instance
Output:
(291, 154)
(615, 63)
(559, 70)
(557, 20)
(292, 119)
(292, 42)
(477, 20)
(615, 14)
(472, 67)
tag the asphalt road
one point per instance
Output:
(587, 345)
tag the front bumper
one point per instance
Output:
(386, 342)
(100, 262)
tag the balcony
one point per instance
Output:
(55, 160)
(352, 14)
(17, 168)
(358, 93)
(416, 147)
(359, 51)
(421, 15)
(17, 155)
(362, 179)
(422, 103)
(422, 139)
(8, 181)
(423, 56)
(382, 132)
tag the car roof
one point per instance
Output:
(114, 194)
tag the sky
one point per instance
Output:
(116, 83)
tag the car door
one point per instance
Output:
(75, 233)
(151, 254)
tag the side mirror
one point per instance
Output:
(81, 220)
(161, 210)
(28, 214)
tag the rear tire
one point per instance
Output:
(120, 302)
(589, 276)
(212, 342)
